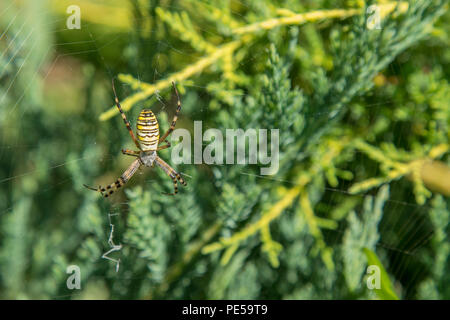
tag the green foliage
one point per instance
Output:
(348, 101)
(360, 236)
(435, 286)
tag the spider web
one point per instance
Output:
(26, 171)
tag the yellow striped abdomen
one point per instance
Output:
(147, 130)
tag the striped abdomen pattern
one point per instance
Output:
(147, 130)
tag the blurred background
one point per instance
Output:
(358, 89)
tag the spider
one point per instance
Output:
(148, 143)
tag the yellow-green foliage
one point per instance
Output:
(393, 165)
(224, 50)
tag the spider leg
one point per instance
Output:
(175, 117)
(164, 146)
(124, 117)
(171, 173)
(110, 189)
(129, 152)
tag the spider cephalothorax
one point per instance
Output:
(148, 158)
(148, 143)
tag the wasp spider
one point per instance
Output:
(148, 143)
